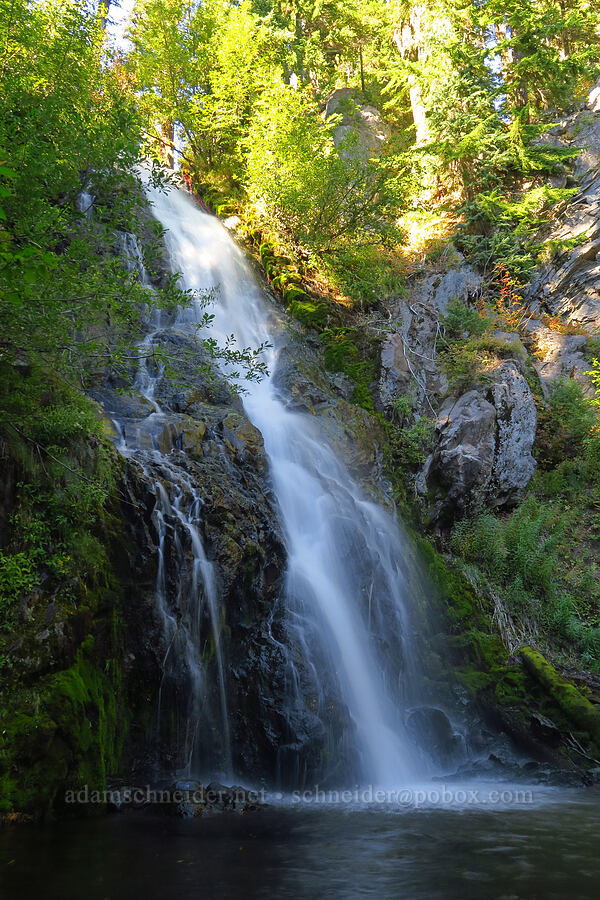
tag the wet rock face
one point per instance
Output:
(200, 443)
(483, 447)
(200, 440)
(432, 728)
(355, 435)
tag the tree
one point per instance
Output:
(480, 74)
(164, 43)
(199, 67)
(67, 115)
(320, 196)
(549, 50)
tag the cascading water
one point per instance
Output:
(176, 517)
(348, 634)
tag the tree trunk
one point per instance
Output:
(104, 7)
(168, 130)
(407, 41)
(362, 70)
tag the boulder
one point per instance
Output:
(460, 467)
(244, 441)
(516, 420)
(431, 728)
(482, 453)
(182, 433)
(361, 131)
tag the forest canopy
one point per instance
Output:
(239, 93)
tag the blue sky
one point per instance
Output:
(118, 18)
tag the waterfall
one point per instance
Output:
(348, 579)
(176, 517)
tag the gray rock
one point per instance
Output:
(461, 282)
(568, 285)
(408, 355)
(558, 356)
(483, 447)
(513, 344)
(593, 103)
(361, 132)
(460, 467)
(516, 420)
(585, 133)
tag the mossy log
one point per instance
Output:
(577, 708)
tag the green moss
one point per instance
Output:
(309, 313)
(571, 701)
(62, 707)
(66, 733)
(292, 293)
(347, 351)
(510, 689)
(472, 679)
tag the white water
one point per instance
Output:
(181, 506)
(347, 586)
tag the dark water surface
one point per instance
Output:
(549, 850)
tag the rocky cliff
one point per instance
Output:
(91, 685)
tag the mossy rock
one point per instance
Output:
(314, 315)
(577, 708)
(69, 734)
(184, 433)
(243, 439)
(292, 293)
(288, 281)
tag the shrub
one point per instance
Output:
(523, 557)
(410, 445)
(463, 321)
(563, 425)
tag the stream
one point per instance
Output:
(546, 850)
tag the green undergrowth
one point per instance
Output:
(62, 577)
(509, 690)
(467, 344)
(365, 274)
(542, 557)
(468, 348)
(409, 440)
(60, 475)
(499, 228)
